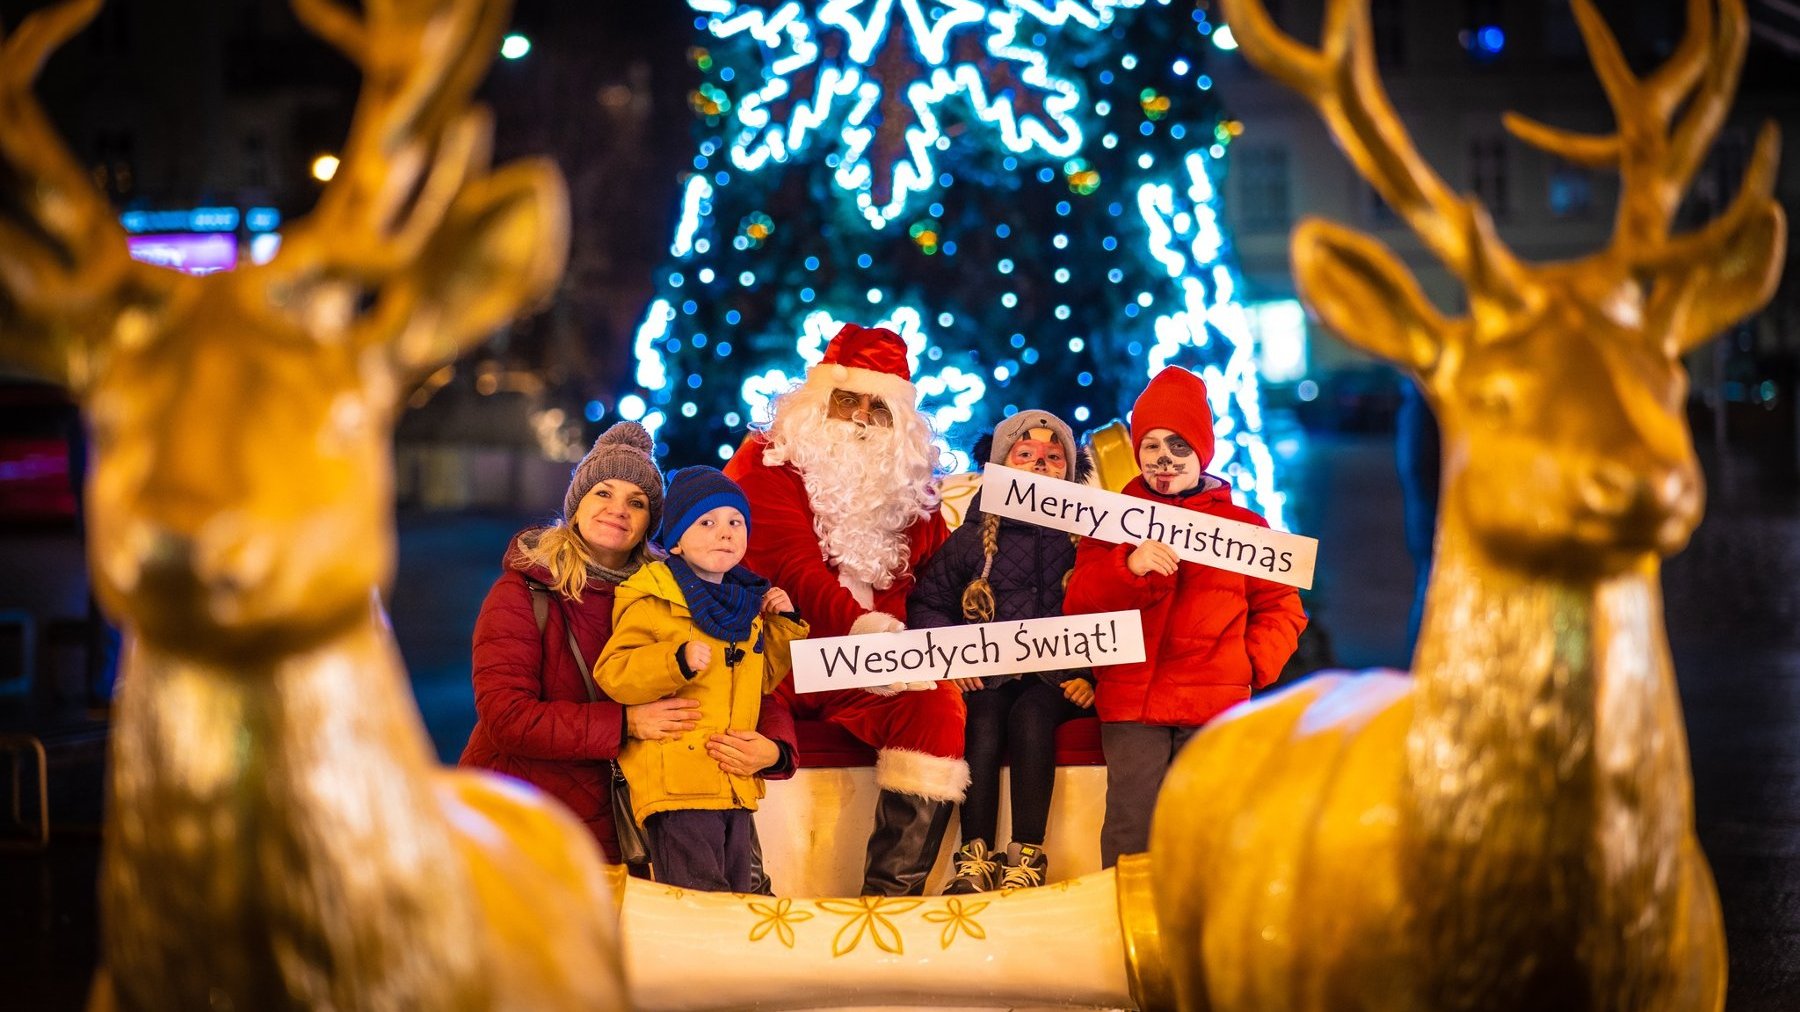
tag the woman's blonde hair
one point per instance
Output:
(560, 549)
(978, 596)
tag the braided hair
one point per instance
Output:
(978, 596)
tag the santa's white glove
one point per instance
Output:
(920, 686)
(880, 622)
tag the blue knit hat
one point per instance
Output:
(694, 492)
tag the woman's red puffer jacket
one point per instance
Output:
(534, 720)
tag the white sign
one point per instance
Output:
(968, 651)
(1231, 545)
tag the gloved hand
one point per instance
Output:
(880, 622)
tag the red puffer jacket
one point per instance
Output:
(1209, 635)
(533, 717)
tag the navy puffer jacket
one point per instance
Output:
(1030, 563)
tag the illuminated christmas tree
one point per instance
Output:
(1025, 189)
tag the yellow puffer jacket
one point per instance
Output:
(651, 623)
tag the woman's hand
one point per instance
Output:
(665, 718)
(743, 753)
(776, 602)
(967, 684)
(698, 655)
(1079, 691)
(1152, 557)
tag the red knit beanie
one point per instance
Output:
(1175, 400)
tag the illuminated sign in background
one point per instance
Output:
(201, 240)
(188, 252)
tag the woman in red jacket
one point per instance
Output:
(1210, 636)
(539, 715)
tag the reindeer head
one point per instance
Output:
(239, 496)
(1561, 392)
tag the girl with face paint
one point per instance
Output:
(1209, 636)
(1003, 570)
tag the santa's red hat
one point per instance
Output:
(867, 360)
(1175, 400)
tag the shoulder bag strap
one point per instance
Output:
(541, 597)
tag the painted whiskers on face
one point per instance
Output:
(1169, 462)
(1041, 456)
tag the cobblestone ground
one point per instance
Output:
(1733, 608)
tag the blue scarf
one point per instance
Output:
(723, 610)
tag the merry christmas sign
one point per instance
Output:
(1230, 545)
(968, 651)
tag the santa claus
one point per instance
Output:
(844, 508)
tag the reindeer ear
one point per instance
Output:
(499, 252)
(1365, 294)
(1740, 276)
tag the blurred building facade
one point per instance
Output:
(202, 120)
(1451, 69)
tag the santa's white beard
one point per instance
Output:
(867, 485)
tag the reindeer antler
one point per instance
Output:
(1340, 80)
(1655, 163)
(62, 254)
(415, 141)
(413, 208)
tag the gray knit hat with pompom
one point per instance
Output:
(623, 451)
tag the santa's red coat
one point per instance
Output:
(919, 734)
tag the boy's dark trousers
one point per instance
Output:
(704, 849)
(1137, 759)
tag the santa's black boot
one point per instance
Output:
(909, 832)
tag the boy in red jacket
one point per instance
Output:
(1210, 636)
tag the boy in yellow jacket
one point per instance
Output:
(702, 627)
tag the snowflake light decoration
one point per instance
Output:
(1186, 239)
(879, 71)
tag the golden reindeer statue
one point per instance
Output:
(278, 835)
(1512, 827)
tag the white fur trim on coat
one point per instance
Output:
(876, 622)
(932, 777)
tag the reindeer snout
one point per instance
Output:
(1609, 488)
(221, 557)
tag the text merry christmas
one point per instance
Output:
(1230, 545)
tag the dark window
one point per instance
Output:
(1381, 213)
(256, 161)
(1388, 20)
(112, 165)
(1263, 188)
(1571, 191)
(1719, 177)
(1487, 174)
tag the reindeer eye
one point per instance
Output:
(1496, 397)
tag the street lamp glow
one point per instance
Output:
(1223, 38)
(515, 46)
(324, 167)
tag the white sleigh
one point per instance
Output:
(846, 953)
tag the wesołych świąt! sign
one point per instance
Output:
(968, 651)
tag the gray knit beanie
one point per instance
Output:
(1016, 426)
(623, 451)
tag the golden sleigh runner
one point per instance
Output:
(1509, 828)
